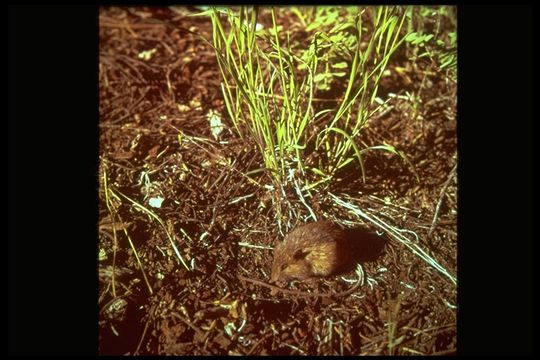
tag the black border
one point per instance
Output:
(52, 174)
(495, 131)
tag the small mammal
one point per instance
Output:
(315, 249)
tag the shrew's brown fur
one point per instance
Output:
(315, 249)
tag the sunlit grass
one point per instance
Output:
(269, 85)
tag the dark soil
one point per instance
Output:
(155, 141)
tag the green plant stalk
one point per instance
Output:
(149, 212)
(269, 104)
(115, 247)
(278, 137)
(339, 153)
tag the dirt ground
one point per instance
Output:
(158, 82)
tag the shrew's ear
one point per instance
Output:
(300, 254)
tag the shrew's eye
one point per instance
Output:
(283, 267)
(299, 254)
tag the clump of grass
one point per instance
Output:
(269, 86)
(368, 65)
(265, 97)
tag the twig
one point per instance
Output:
(441, 196)
(152, 214)
(188, 323)
(150, 316)
(294, 348)
(112, 212)
(258, 343)
(396, 234)
(301, 293)
(245, 244)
